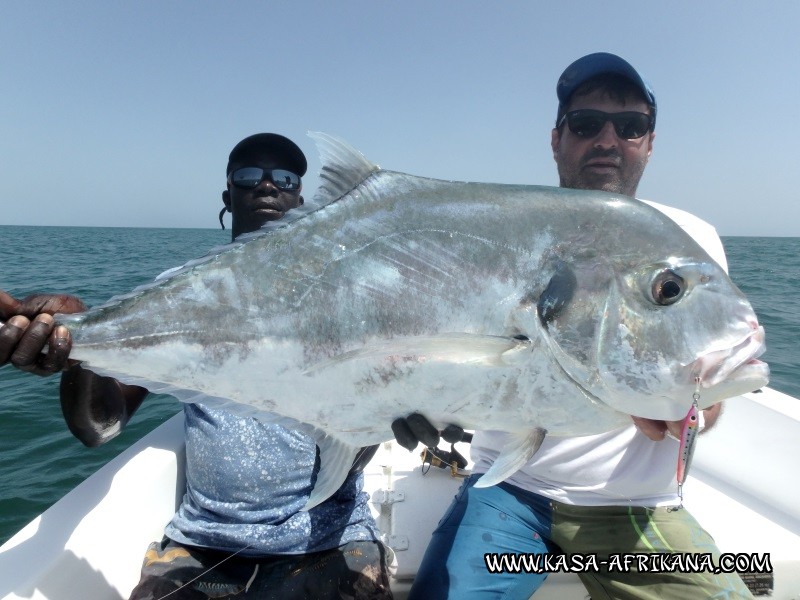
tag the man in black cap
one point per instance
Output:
(592, 497)
(252, 210)
(240, 530)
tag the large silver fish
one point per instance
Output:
(516, 308)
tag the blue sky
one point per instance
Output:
(123, 113)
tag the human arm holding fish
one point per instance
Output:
(27, 327)
(95, 408)
(409, 432)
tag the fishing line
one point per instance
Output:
(211, 568)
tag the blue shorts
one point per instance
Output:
(504, 519)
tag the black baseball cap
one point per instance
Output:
(600, 63)
(272, 143)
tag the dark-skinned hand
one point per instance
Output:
(95, 408)
(415, 428)
(28, 326)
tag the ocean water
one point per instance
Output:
(40, 461)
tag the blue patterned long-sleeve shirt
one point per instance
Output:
(247, 482)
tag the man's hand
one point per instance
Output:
(657, 430)
(415, 429)
(95, 408)
(39, 303)
(29, 327)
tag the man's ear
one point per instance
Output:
(301, 201)
(555, 140)
(226, 199)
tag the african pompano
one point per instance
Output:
(506, 307)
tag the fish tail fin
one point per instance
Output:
(519, 450)
(343, 168)
(335, 459)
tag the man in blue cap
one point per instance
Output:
(590, 498)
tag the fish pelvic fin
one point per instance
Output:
(343, 168)
(335, 460)
(518, 451)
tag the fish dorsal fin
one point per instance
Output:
(517, 451)
(343, 168)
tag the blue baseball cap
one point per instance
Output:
(600, 63)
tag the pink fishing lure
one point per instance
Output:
(689, 432)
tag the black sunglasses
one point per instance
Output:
(587, 123)
(247, 178)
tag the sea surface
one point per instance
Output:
(40, 461)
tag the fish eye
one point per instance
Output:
(668, 287)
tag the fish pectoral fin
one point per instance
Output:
(335, 460)
(519, 450)
(445, 348)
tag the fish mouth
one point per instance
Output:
(737, 363)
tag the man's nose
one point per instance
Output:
(266, 186)
(607, 138)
